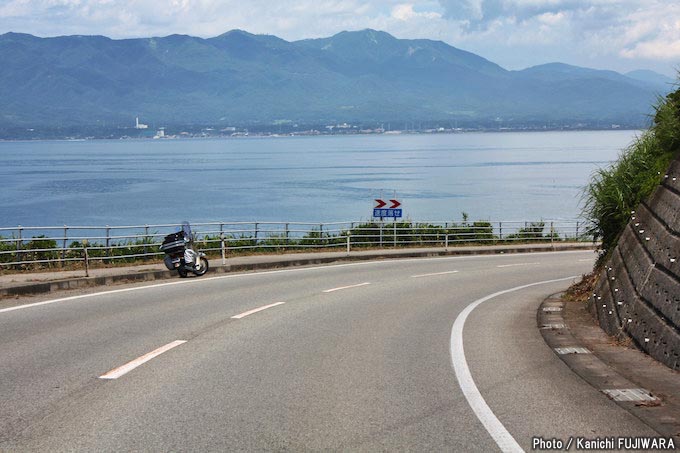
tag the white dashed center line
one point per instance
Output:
(255, 310)
(121, 370)
(435, 273)
(345, 287)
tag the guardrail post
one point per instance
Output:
(146, 239)
(552, 235)
(500, 231)
(63, 247)
(223, 248)
(446, 242)
(108, 242)
(577, 225)
(348, 242)
(256, 231)
(381, 234)
(321, 241)
(19, 241)
(287, 233)
(86, 258)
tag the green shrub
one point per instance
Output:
(532, 230)
(7, 247)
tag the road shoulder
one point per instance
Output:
(635, 381)
(35, 283)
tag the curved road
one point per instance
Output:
(354, 356)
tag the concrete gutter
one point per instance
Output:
(25, 284)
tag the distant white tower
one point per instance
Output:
(139, 125)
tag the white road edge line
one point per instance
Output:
(517, 264)
(255, 310)
(259, 274)
(124, 369)
(436, 273)
(345, 287)
(495, 428)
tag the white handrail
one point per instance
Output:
(23, 245)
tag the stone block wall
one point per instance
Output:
(638, 293)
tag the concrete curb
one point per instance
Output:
(275, 262)
(650, 398)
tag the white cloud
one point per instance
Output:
(405, 12)
(654, 33)
(609, 34)
(552, 19)
(660, 49)
(479, 13)
(15, 8)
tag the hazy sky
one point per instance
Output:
(606, 34)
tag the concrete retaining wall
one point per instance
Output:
(638, 293)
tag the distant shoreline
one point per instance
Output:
(304, 134)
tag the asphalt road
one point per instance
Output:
(358, 356)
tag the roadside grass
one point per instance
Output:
(615, 192)
(581, 291)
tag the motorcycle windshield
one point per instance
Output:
(186, 229)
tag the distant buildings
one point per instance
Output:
(139, 125)
(343, 126)
(160, 133)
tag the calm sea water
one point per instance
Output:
(496, 176)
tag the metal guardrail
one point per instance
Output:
(30, 246)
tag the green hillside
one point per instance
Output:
(241, 78)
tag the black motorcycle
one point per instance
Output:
(180, 254)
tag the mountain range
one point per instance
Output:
(242, 78)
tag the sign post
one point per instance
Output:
(392, 211)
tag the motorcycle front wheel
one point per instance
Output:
(201, 266)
